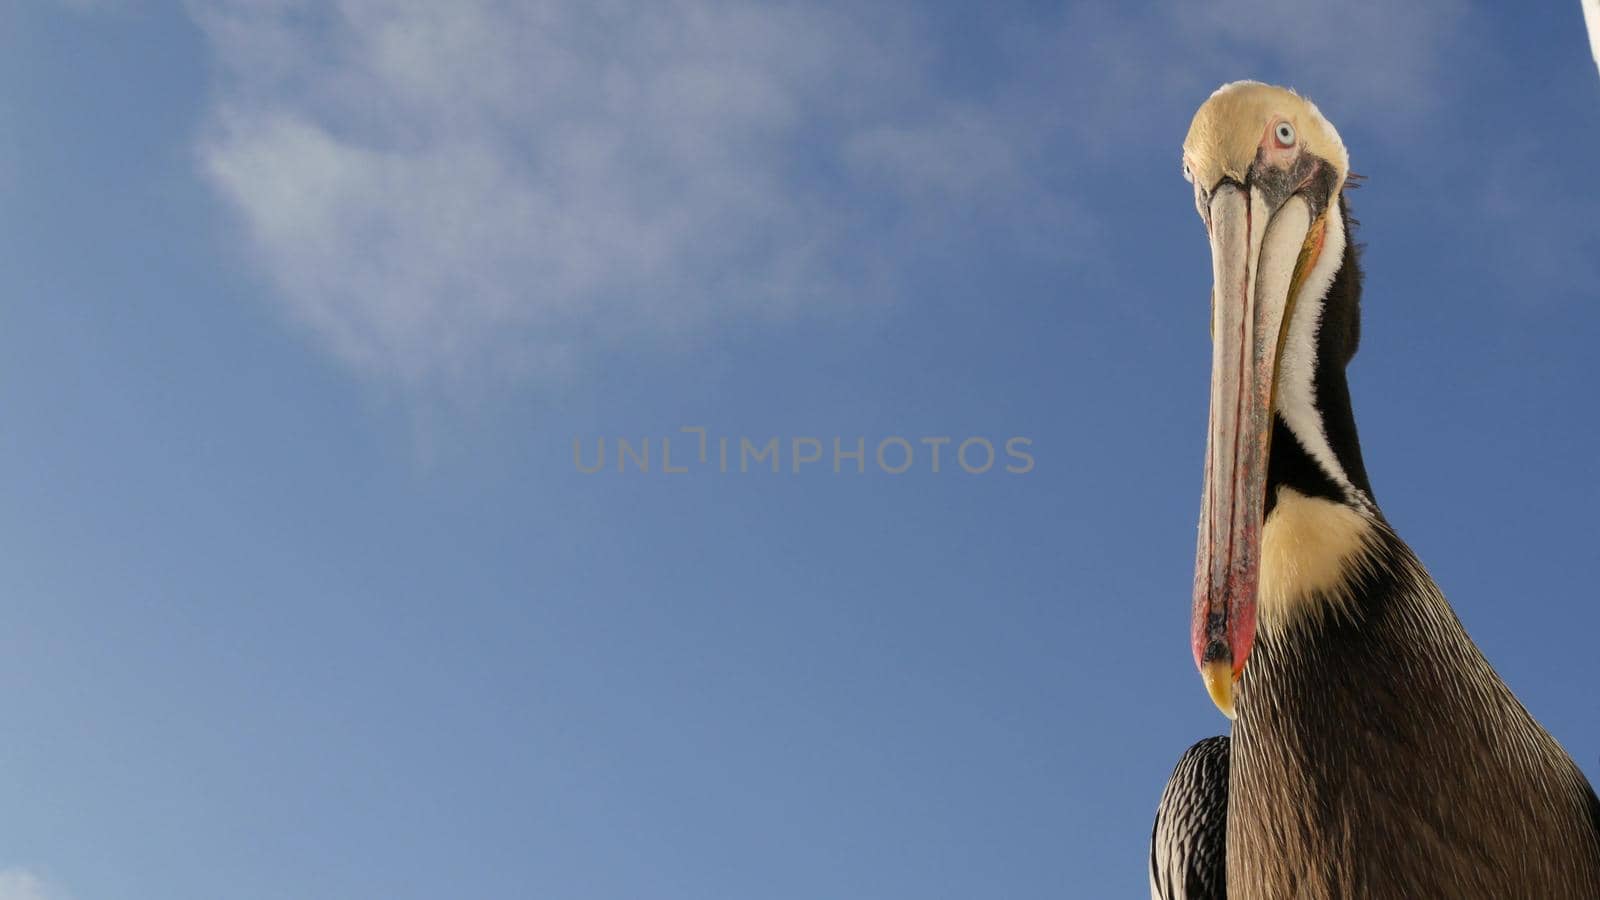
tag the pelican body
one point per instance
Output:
(1374, 752)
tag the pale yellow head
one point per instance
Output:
(1240, 127)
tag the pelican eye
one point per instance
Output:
(1187, 175)
(1284, 134)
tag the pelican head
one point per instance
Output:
(1267, 171)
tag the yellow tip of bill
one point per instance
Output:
(1218, 676)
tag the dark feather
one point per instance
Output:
(1188, 846)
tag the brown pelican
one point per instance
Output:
(1375, 753)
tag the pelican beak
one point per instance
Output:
(1261, 247)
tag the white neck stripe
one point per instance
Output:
(1297, 368)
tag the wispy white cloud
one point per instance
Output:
(440, 190)
(1379, 57)
(492, 189)
(22, 884)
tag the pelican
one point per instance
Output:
(1374, 752)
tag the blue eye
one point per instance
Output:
(1285, 134)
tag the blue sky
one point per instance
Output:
(305, 305)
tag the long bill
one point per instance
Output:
(1258, 253)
